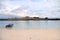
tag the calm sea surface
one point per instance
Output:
(31, 24)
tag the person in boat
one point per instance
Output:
(9, 26)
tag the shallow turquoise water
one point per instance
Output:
(31, 24)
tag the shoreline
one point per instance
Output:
(27, 19)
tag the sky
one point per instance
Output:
(32, 8)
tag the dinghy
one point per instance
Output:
(9, 26)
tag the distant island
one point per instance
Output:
(29, 18)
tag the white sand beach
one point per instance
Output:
(29, 34)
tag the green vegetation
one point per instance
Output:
(31, 18)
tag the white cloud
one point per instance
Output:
(49, 8)
(22, 11)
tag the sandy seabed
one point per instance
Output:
(30, 34)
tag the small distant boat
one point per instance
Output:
(9, 26)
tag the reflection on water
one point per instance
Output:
(31, 24)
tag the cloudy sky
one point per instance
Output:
(39, 8)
